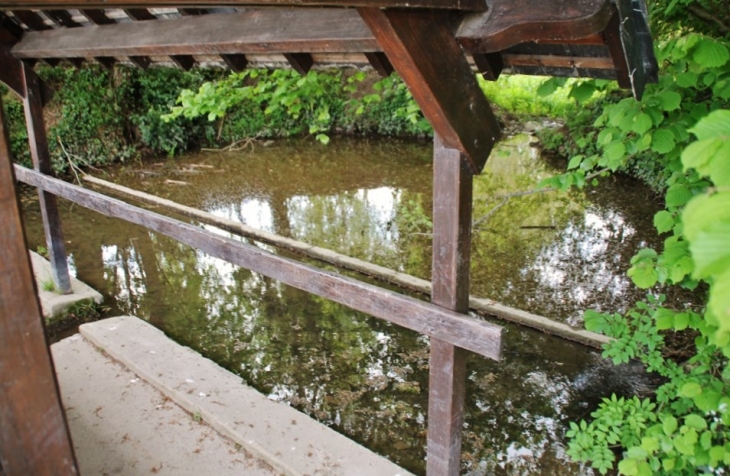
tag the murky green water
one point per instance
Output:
(547, 253)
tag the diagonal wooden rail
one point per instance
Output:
(457, 329)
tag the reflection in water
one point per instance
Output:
(547, 253)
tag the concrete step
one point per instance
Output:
(288, 440)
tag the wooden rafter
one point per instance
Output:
(424, 51)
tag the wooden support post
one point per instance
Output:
(34, 437)
(423, 50)
(380, 62)
(42, 162)
(452, 199)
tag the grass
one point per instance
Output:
(48, 285)
(518, 94)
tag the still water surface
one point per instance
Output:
(548, 253)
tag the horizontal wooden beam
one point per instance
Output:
(253, 31)
(473, 5)
(516, 21)
(267, 31)
(458, 329)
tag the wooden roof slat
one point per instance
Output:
(61, 18)
(97, 17)
(300, 62)
(32, 20)
(380, 63)
(469, 5)
(10, 31)
(237, 62)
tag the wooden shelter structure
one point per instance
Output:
(433, 44)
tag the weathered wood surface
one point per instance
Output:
(474, 5)
(34, 439)
(11, 74)
(481, 305)
(266, 31)
(38, 144)
(516, 21)
(452, 206)
(424, 51)
(10, 31)
(472, 334)
(636, 41)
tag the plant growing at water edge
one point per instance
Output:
(685, 429)
(48, 285)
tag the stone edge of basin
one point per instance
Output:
(53, 304)
(290, 441)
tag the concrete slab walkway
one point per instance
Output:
(119, 429)
(53, 304)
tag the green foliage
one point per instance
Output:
(262, 103)
(15, 119)
(683, 429)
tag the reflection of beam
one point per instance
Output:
(34, 438)
(458, 329)
(424, 51)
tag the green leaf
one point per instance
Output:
(669, 100)
(669, 425)
(677, 195)
(575, 162)
(664, 319)
(643, 274)
(614, 154)
(582, 92)
(710, 53)
(663, 221)
(716, 124)
(719, 301)
(629, 467)
(719, 170)
(698, 154)
(695, 421)
(642, 123)
(686, 80)
(690, 390)
(681, 321)
(707, 401)
(711, 249)
(662, 141)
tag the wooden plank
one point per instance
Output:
(452, 198)
(237, 62)
(142, 62)
(139, 14)
(557, 61)
(613, 40)
(380, 63)
(34, 438)
(184, 62)
(61, 18)
(251, 31)
(423, 50)
(32, 20)
(300, 62)
(458, 329)
(33, 106)
(489, 64)
(11, 74)
(97, 17)
(472, 5)
(10, 31)
(517, 21)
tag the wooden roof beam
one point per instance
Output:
(424, 51)
(468, 5)
(10, 31)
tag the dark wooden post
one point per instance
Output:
(33, 103)
(452, 203)
(34, 438)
